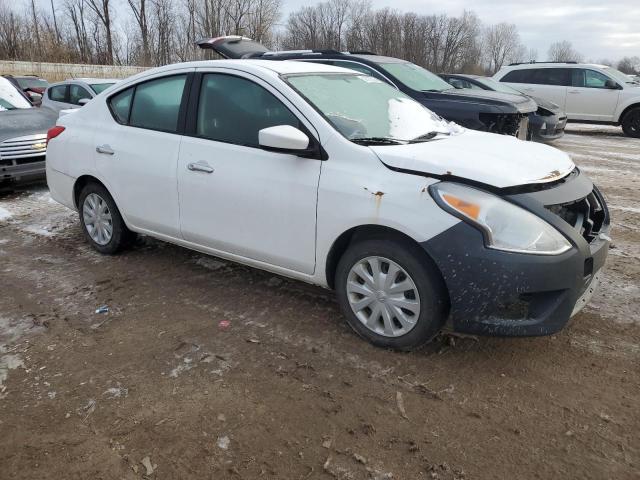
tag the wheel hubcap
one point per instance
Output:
(97, 219)
(383, 296)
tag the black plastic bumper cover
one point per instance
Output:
(493, 292)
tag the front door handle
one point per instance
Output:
(106, 149)
(200, 167)
(574, 91)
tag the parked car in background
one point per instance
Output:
(545, 124)
(336, 178)
(74, 93)
(23, 136)
(31, 85)
(588, 93)
(486, 111)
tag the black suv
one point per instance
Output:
(479, 110)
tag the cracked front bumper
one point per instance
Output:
(493, 292)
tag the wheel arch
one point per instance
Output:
(81, 182)
(627, 109)
(352, 235)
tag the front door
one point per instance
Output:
(137, 153)
(236, 197)
(589, 98)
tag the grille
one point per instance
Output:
(588, 215)
(19, 148)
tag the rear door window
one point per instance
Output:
(156, 104)
(539, 76)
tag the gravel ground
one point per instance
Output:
(202, 368)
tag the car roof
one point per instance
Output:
(520, 66)
(254, 65)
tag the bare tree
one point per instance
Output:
(139, 9)
(102, 10)
(564, 52)
(629, 65)
(502, 45)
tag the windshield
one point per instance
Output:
(497, 86)
(416, 77)
(100, 87)
(619, 76)
(363, 107)
(32, 82)
(10, 97)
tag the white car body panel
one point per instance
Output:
(276, 211)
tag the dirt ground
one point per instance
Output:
(205, 369)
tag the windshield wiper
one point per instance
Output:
(428, 136)
(378, 141)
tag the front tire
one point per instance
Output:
(391, 293)
(101, 221)
(631, 123)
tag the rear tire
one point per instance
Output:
(631, 123)
(101, 221)
(391, 293)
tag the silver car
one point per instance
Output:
(23, 135)
(74, 93)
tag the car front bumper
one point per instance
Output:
(553, 127)
(500, 293)
(22, 170)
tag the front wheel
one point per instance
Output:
(631, 123)
(101, 221)
(391, 293)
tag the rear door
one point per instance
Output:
(548, 83)
(137, 153)
(589, 98)
(236, 197)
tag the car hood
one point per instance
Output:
(522, 103)
(497, 160)
(25, 121)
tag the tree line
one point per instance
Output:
(157, 32)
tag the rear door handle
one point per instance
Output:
(574, 91)
(106, 149)
(200, 167)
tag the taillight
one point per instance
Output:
(54, 132)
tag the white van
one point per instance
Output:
(587, 93)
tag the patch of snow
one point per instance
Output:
(5, 214)
(223, 442)
(116, 392)
(8, 362)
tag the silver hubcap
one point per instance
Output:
(383, 296)
(97, 219)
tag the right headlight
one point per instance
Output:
(505, 226)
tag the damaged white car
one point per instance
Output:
(335, 178)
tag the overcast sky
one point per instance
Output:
(597, 28)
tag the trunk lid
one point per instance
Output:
(233, 46)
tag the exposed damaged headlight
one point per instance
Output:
(504, 225)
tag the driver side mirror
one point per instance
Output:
(83, 101)
(610, 84)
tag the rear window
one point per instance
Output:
(539, 76)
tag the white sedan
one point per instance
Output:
(332, 177)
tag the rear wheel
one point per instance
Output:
(390, 293)
(631, 123)
(101, 221)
